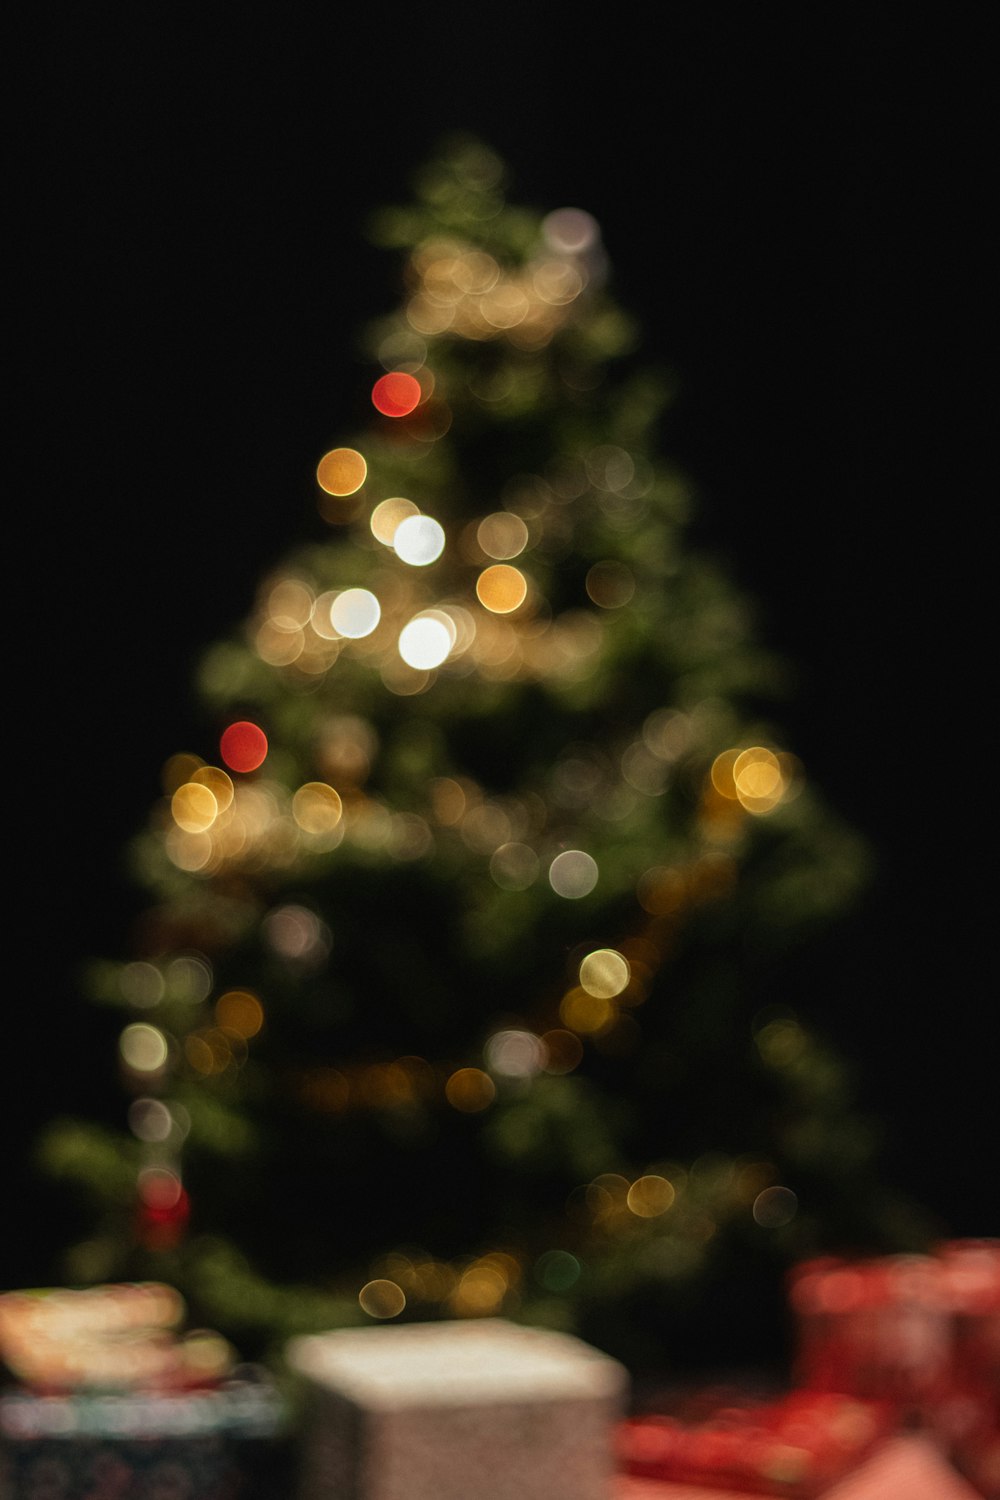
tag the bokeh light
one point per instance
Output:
(150, 1120)
(387, 516)
(355, 613)
(426, 641)
(514, 1054)
(501, 588)
(243, 746)
(342, 471)
(573, 874)
(218, 783)
(648, 1197)
(317, 808)
(502, 535)
(143, 1048)
(588, 1014)
(557, 1270)
(239, 1011)
(193, 807)
(396, 394)
(563, 1051)
(514, 866)
(382, 1299)
(418, 540)
(605, 973)
(570, 230)
(775, 1207)
(470, 1090)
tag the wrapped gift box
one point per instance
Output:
(196, 1445)
(904, 1468)
(447, 1411)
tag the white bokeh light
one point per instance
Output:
(355, 613)
(426, 641)
(418, 540)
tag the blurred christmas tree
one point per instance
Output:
(461, 992)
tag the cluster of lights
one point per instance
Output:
(465, 292)
(473, 1287)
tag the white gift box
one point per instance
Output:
(477, 1410)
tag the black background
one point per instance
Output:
(792, 202)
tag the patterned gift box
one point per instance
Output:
(200, 1445)
(448, 1411)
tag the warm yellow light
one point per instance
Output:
(382, 1299)
(239, 1011)
(470, 1090)
(648, 1197)
(605, 973)
(501, 588)
(342, 471)
(316, 807)
(387, 516)
(218, 783)
(587, 1014)
(194, 808)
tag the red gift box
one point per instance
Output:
(795, 1446)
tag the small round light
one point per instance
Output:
(342, 471)
(396, 394)
(355, 613)
(382, 1299)
(573, 874)
(243, 746)
(425, 642)
(418, 540)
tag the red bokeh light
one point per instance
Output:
(243, 746)
(396, 394)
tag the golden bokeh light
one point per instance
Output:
(179, 769)
(563, 1051)
(479, 1293)
(317, 808)
(143, 1048)
(418, 540)
(502, 535)
(588, 1014)
(573, 874)
(605, 973)
(501, 589)
(355, 613)
(722, 774)
(218, 783)
(650, 1196)
(470, 1090)
(382, 1299)
(388, 515)
(341, 472)
(758, 779)
(289, 604)
(193, 807)
(239, 1011)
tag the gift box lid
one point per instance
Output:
(485, 1361)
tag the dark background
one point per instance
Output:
(791, 202)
